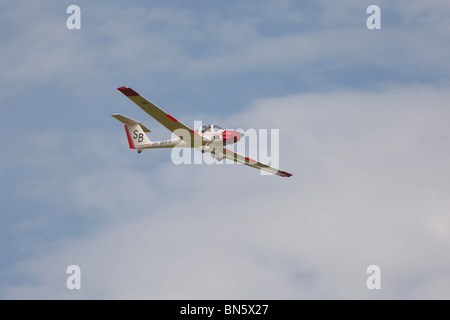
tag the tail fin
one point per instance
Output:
(137, 139)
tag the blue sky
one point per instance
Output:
(362, 118)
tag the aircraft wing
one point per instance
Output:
(160, 115)
(230, 154)
(127, 120)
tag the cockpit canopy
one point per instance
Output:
(210, 128)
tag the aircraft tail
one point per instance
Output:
(137, 139)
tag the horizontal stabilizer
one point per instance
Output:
(127, 120)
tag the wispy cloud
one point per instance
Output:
(369, 154)
(369, 188)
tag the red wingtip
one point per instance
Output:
(284, 174)
(127, 91)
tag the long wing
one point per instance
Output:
(230, 154)
(160, 115)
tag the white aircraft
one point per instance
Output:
(209, 138)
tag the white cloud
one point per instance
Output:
(151, 42)
(370, 186)
(370, 169)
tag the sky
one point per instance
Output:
(363, 123)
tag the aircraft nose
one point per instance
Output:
(231, 136)
(240, 134)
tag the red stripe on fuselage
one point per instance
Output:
(130, 141)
